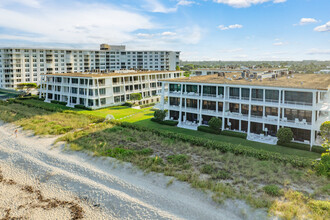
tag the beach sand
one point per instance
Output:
(43, 181)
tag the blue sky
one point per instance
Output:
(200, 29)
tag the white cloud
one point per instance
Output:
(245, 3)
(29, 3)
(278, 43)
(185, 2)
(156, 6)
(304, 21)
(168, 33)
(76, 23)
(316, 51)
(323, 28)
(233, 26)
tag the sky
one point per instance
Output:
(211, 30)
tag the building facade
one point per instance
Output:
(254, 106)
(26, 65)
(103, 90)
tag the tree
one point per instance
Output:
(27, 86)
(160, 115)
(177, 68)
(325, 130)
(322, 167)
(215, 123)
(284, 135)
(136, 97)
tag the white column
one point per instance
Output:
(249, 117)
(180, 112)
(87, 95)
(279, 108)
(162, 98)
(124, 88)
(201, 105)
(98, 91)
(312, 140)
(224, 107)
(41, 85)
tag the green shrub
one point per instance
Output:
(207, 168)
(166, 122)
(128, 104)
(178, 159)
(300, 146)
(207, 129)
(322, 167)
(215, 123)
(234, 134)
(273, 190)
(160, 115)
(284, 135)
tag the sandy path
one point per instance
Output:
(118, 189)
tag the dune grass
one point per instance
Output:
(224, 174)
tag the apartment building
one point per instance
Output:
(103, 90)
(252, 105)
(261, 72)
(26, 65)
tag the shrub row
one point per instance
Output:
(58, 102)
(147, 105)
(234, 134)
(166, 122)
(316, 149)
(208, 129)
(42, 105)
(295, 161)
(82, 107)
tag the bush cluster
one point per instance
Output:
(160, 115)
(224, 147)
(215, 123)
(234, 134)
(284, 136)
(207, 129)
(166, 122)
(128, 104)
(322, 167)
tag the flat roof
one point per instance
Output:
(77, 49)
(240, 70)
(301, 81)
(111, 74)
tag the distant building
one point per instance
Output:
(26, 65)
(103, 90)
(265, 72)
(250, 104)
(325, 71)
